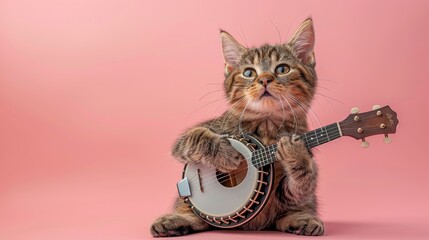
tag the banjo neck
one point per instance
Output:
(314, 138)
(381, 120)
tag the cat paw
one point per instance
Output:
(228, 159)
(290, 148)
(170, 226)
(309, 227)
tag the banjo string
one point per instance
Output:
(259, 156)
(260, 159)
(309, 142)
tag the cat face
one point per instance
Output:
(272, 78)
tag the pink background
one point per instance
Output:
(93, 94)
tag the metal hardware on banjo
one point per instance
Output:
(228, 200)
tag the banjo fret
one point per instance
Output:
(265, 156)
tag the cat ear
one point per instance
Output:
(302, 43)
(232, 51)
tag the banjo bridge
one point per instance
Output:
(200, 180)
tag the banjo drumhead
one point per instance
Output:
(220, 195)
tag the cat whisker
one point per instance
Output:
(227, 118)
(212, 92)
(306, 109)
(323, 87)
(278, 32)
(245, 39)
(288, 30)
(205, 105)
(325, 96)
(295, 123)
(327, 80)
(241, 117)
(283, 116)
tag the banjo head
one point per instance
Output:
(228, 200)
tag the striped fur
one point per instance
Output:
(292, 207)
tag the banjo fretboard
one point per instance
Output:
(319, 136)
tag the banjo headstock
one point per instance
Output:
(381, 120)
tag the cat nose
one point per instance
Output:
(265, 80)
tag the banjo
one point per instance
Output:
(228, 200)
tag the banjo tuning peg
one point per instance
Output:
(364, 143)
(375, 107)
(354, 110)
(387, 139)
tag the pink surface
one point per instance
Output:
(93, 94)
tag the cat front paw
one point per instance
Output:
(170, 225)
(291, 149)
(228, 159)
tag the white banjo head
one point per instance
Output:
(227, 200)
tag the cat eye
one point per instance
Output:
(282, 69)
(249, 73)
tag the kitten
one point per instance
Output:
(269, 90)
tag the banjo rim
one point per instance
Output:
(255, 202)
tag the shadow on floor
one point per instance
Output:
(346, 230)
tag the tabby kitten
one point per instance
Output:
(269, 90)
